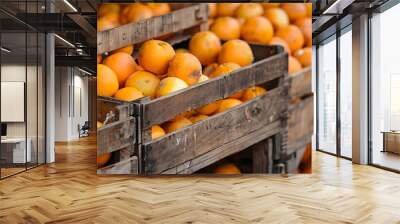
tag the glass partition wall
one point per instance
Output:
(385, 89)
(22, 77)
(334, 94)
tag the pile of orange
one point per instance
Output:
(111, 15)
(285, 24)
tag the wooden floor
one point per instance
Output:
(69, 191)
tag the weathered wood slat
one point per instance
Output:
(301, 124)
(133, 33)
(116, 136)
(262, 156)
(129, 166)
(225, 150)
(197, 139)
(300, 84)
(266, 68)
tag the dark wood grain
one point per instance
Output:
(137, 32)
(300, 84)
(225, 150)
(115, 136)
(262, 156)
(301, 124)
(197, 139)
(128, 166)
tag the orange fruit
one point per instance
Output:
(270, 5)
(227, 9)
(99, 124)
(295, 11)
(237, 95)
(159, 9)
(145, 82)
(305, 26)
(154, 56)
(293, 36)
(236, 51)
(157, 132)
(277, 17)
(210, 22)
(107, 8)
(203, 78)
(212, 10)
(205, 46)
(112, 17)
(208, 109)
(257, 29)
(249, 10)
(186, 67)
(253, 92)
(227, 168)
(105, 24)
(224, 69)
(103, 159)
(177, 123)
(227, 104)
(294, 65)
(209, 69)
(122, 64)
(169, 85)
(226, 28)
(127, 49)
(128, 94)
(135, 12)
(99, 59)
(280, 41)
(107, 81)
(198, 118)
(188, 113)
(304, 56)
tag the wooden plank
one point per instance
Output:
(262, 156)
(129, 166)
(225, 150)
(265, 69)
(301, 124)
(137, 32)
(192, 141)
(300, 84)
(116, 136)
(120, 109)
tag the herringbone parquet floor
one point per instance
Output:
(69, 191)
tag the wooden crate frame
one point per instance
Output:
(165, 155)
(185, 20)
(247, 120)
(301, 116)
(118, 136)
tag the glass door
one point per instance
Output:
(345, 92)
(326, 105)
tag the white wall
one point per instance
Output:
(71, 103)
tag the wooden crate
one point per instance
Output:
(117, 136)
(301, 116)
(194, 147)
(184, 20)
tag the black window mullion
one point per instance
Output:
(338, 76)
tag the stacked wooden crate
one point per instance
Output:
(260, 124)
